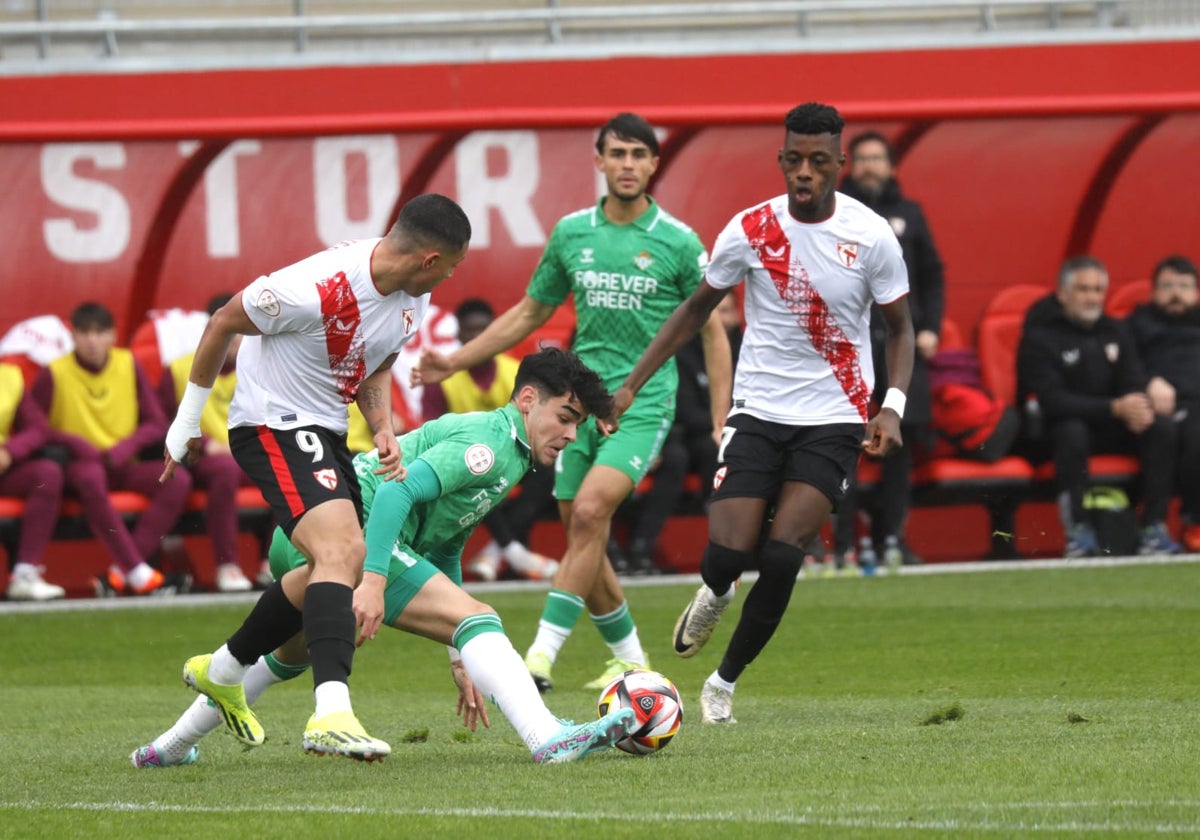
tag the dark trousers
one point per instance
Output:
(1074, 439)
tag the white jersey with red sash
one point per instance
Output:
(806, 355)
(325, 328)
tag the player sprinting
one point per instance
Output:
(629, 264)
(321, 333)
(813, 261)
(460, 467)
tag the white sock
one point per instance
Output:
(516, 553)
(24, 570)
(497, 670)
(714, 679)
(724, 600)
(225, 669)
(332, 697)
(258, 679)
(549, 639)
(199, 720)
(629, 649)
(139, 575)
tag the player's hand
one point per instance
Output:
(368, 605)
(431, 368)
(471, 705)
(389, 457)
(622, 399)
(169, 463)
(883, 434)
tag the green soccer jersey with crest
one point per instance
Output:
(627, 280)
(478, 458)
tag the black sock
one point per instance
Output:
(271, 622)
(329, 628)
(765, 605)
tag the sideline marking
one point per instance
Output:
(201, 599)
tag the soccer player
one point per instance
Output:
(460, 467)
(813, 261)
(321, 333)
(629, 264)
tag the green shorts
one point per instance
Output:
(632, 450)
(407, 572)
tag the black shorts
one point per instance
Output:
(758, 456)
(296, 469)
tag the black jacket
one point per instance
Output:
(1169, 346)
(926, 293)
(926, 281)
(1075, 371)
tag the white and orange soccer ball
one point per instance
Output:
(654, 700)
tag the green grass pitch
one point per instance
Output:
(1044, 703)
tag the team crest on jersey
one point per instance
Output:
(643, 261)
(327, 478)
(1112, 352)
(406, 317)
(847, 253)
(479, 458)
(267, 303)
(719, 477)
(1071, 357)
(586, 256)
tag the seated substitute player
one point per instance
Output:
(459, 467)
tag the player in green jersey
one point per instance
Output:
(459, 467)
(629, 264)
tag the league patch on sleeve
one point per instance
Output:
(267, 303)
(479, 458)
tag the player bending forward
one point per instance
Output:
(460, 467)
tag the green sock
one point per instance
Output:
(616, 625)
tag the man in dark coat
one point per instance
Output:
(871, 181)
(1167, 334)
(1082, 368)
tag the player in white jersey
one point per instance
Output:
(813, 261)
(322, 333)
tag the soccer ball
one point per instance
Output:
(656, 704)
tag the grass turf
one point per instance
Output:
(1043, 703)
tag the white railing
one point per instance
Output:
(484, 27)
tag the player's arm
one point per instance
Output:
(183, 436)
(718, 363)
(390, 509)
(515, 324)
(684, 322)
(883, 432)
(375, 402)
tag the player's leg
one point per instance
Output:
(816, 464)
(179, 745)
(424, 601)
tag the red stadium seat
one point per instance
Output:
(998, 336)
(1122, 299)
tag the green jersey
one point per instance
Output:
(478, 458)
(627, 280)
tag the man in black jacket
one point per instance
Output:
(871, 181)
(1167, 333)
(1082, 368)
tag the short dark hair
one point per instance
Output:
(814, 118)
(556, 372)
(434, 219)
(92, 316)
(1177, 263)
(216, 302)
(474, 306)
(876, 137)
(628, 126)
(1075, 264)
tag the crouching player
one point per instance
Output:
(460, 467)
